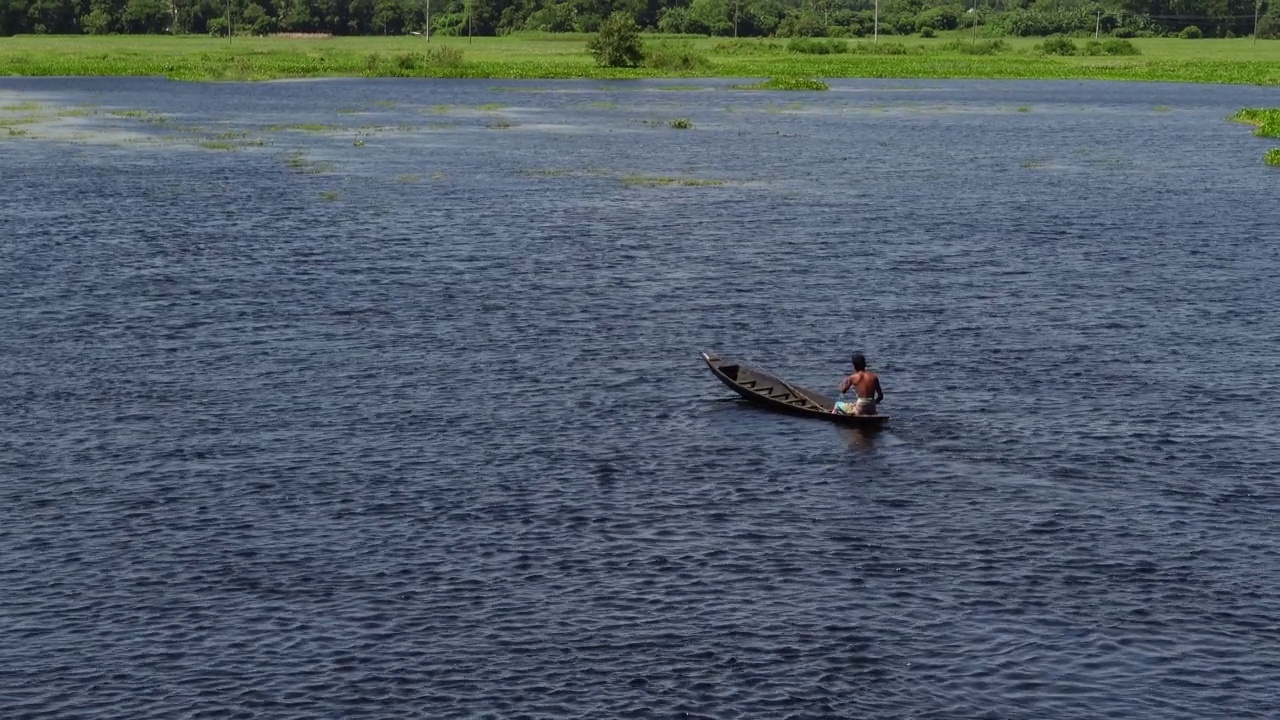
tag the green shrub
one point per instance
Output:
(1117, 46)
(817, 46)
(884, 48)
(747, 46)
(675, 58)
(939, 18)
(444, 56)
(801, 24)
(1269, 27)
(1191, 32)
(1058, 45)
(927, 32)
(982, 47)
(617, 44)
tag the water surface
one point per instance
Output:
(361, 398)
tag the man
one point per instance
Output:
(867, 385)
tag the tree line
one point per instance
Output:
(786, 18)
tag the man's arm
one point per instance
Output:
(879, 392)
(845, 384)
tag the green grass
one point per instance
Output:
(523, 56)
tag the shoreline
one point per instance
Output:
(204, 59)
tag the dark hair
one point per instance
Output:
(859, 362)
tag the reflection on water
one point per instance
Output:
(363, 398)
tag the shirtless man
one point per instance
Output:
(867, 385)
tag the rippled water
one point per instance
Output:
(380, 399)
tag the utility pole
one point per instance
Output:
(876, 25)
(975, 22)
(1097, 28)
(735, 18)
(1257, 8)
(229, 23)
(428, 33)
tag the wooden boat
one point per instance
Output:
(760, 387)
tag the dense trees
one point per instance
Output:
(793, 18)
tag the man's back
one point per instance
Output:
(864, 381)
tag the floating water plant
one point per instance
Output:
(1265, 120)
(682, 123)
(660, 181)
(329, 195)
(304, 127)
(408, 178)
(786, 83)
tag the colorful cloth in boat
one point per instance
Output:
(861, 406)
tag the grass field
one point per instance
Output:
(1236, 61)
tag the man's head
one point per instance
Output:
(859, 362)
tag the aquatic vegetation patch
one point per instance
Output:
(218, 145)
(665, 181)
(131, 113)
(787, 84)
(1024, 109)
(329, 195)
(604, 104)
(24, 120)
(682, 124)
(500, 124)
(304, 127)
(1272, 157)
(1266, 121)
(492, 107)
(22, 107)
(297, 160)
(542, 172)
(408, 178)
